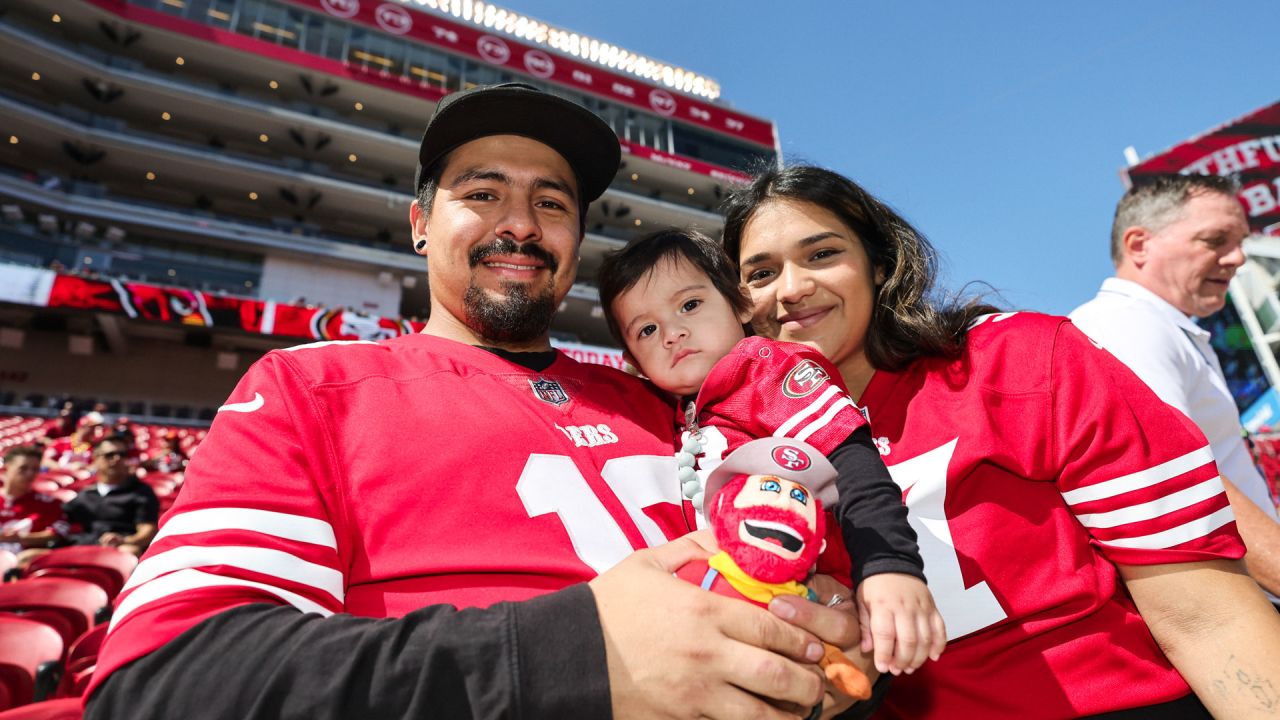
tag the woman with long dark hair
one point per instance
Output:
(1075, 533)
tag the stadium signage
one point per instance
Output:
(539, 63)
(393, 18)
(432, 29)
(680, 163)
(1247, 148)
(342, 8)
(182, 306)
(493, 49)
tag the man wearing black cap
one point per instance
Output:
(470, 466)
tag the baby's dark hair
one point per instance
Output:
(624, 268)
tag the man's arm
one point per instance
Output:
(1217, 629)
(38, 539)
(142, 536)
(538, 659)
(551, 657)
(1261, 535)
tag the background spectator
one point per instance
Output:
(119, 511)
(27, 519)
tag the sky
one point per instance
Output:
(996, 128)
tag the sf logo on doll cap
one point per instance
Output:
(787, 458)
(791, 458)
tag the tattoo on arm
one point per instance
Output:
(1238, 682)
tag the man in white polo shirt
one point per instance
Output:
(1176, 243)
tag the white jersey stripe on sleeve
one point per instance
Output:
(327, 343)
(1185, 532)
(1141, 479)
(785, 428)
(1156, 508)
(184, 580)
(826, 418)
(265, 561)
(267, 522)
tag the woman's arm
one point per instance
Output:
(1217, 629)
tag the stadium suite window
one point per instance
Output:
(695, 143)
(324, 37)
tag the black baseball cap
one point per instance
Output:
(585, 141)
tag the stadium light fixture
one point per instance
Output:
(56, 18)
(359, 106)
(166, 116)
(179, 60)
(13, 139)
(534, 31)
(151, 175)
(263, 137)
(352, 157)
(35, 76)
(273, 85)
(253, 195)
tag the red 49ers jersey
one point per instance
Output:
(1030, 465)
(379, 478)
(31, 512)
(767, 388)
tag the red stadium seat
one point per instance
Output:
(67, 605)
(64, 709)
(26, 649)
(82, 659)
(108, 568)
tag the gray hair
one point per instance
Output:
(1156, 202)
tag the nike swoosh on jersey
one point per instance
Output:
(245, 407)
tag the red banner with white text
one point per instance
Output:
(157, 303)
(1247, 149)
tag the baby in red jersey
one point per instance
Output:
(675, 303)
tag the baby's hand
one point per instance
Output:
(900, 622)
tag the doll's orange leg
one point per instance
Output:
(843, 674)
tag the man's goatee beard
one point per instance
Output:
(517, 317)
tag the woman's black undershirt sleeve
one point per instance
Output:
(543, 658)
(873, 519)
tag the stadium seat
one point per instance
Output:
(8, 561)
(64, 709)
(29, 656)
(82, 658)
(108, 568)
(67, 605)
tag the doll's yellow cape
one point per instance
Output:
(749, 587)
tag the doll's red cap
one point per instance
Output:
(789, 459)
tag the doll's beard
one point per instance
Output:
(759, 563)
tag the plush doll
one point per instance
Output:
(765, 508)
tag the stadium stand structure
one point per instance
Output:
(183, 154)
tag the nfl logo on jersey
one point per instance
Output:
(549, 391)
